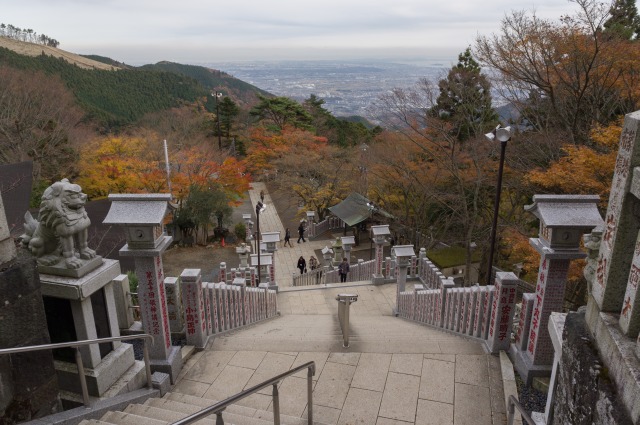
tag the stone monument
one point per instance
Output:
(78, 291)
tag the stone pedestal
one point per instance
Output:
(94, 314)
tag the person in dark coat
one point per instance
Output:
(302, 264)
(287, 237)
(343, 270)
(301, 232)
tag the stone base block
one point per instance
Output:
(377, 279)
(60, 268)
(161, 381)
(620, 359)
(99, 379)
(525, 368)
(171, 366)
(133, 379)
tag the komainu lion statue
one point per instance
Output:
(62, 227)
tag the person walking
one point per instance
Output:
(262, 196)
(287, 237)
(313, 262)
(301, 232)
(343, 269)
(302, 264)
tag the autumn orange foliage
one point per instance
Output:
(128, 164)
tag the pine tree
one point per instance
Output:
(624, 21)
(465, 99)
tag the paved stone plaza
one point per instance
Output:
(394, 372)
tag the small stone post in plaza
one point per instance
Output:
(243, 252)
(347, 243)
(311, 224)
(142, 215)
(379, 235)
(403, 254)
(248, 225)
(563, 221)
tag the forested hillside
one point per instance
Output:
(118, 98)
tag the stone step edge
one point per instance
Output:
(172, 416)
(235, 408)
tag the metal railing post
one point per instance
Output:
(344, 303)
(83, 379)
(276, 404)
(310, 372)
(219, 420)
(511, 410)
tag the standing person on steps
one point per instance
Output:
(343, 269)
(287, 237)
(301, 232)
(302, 264)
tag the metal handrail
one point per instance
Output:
(218, 408)
(76, 344)
(513, 404)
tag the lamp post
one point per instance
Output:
(217, 95)
(372, 208)
(503, 135)
(259, 208)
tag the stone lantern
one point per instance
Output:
(248, 223)
(270, 239)
(403, 255)
(337, 250)
(327, 253)
(563, 221)
(243, 252)
(142, 216)
(264, 267)
(379, 234)
(347, 243)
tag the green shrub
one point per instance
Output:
(240, 230)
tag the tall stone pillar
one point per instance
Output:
(403, 254)
(621, 223)
(563, 221)
(142, 216)
(194, 308)
(379, 234)
(311, 225)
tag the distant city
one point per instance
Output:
(348, 88)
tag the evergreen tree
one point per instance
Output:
(624, 21)
(228, 111)
(465, 99)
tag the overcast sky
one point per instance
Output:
(210, 31)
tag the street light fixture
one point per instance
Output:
(372, 208)
(259, 208)
(503, 135)
(217, 95)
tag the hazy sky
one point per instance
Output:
(210, 31)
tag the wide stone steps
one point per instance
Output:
(175, 406)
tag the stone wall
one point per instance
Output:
(584, 394)
(28, 383)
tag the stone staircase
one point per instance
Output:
(175, 406)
